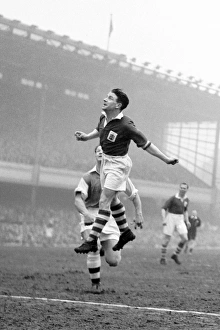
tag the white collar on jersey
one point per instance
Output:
(177, 196)
(94, 169)
(119, 116)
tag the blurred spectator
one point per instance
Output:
(195, 222)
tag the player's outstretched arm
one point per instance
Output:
(139, 220)
(133, 195)
(156, 152)
(163, 213)
(81, 208)
(81, 136)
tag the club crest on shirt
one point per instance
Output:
(112, 136)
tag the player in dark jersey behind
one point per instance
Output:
(195, 222)
(175, 218)
(115, 131)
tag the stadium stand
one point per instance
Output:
(51, 86)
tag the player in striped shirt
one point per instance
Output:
(87, 195)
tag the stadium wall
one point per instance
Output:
(63, 179)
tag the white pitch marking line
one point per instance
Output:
(110, 305)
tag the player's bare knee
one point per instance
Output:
(165, 241)
(113, 262)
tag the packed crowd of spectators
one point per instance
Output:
(19, 140)
(59, 227)
(45, 227)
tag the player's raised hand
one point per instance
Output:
(88, 219)
(80, 136)
(173, 161)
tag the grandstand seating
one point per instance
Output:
(19, 125)
(76, 85)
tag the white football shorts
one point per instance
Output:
(174, 222)
(110, 230)
(115, 171)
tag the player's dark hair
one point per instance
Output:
(121, 97)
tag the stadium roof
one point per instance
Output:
(32, 32)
